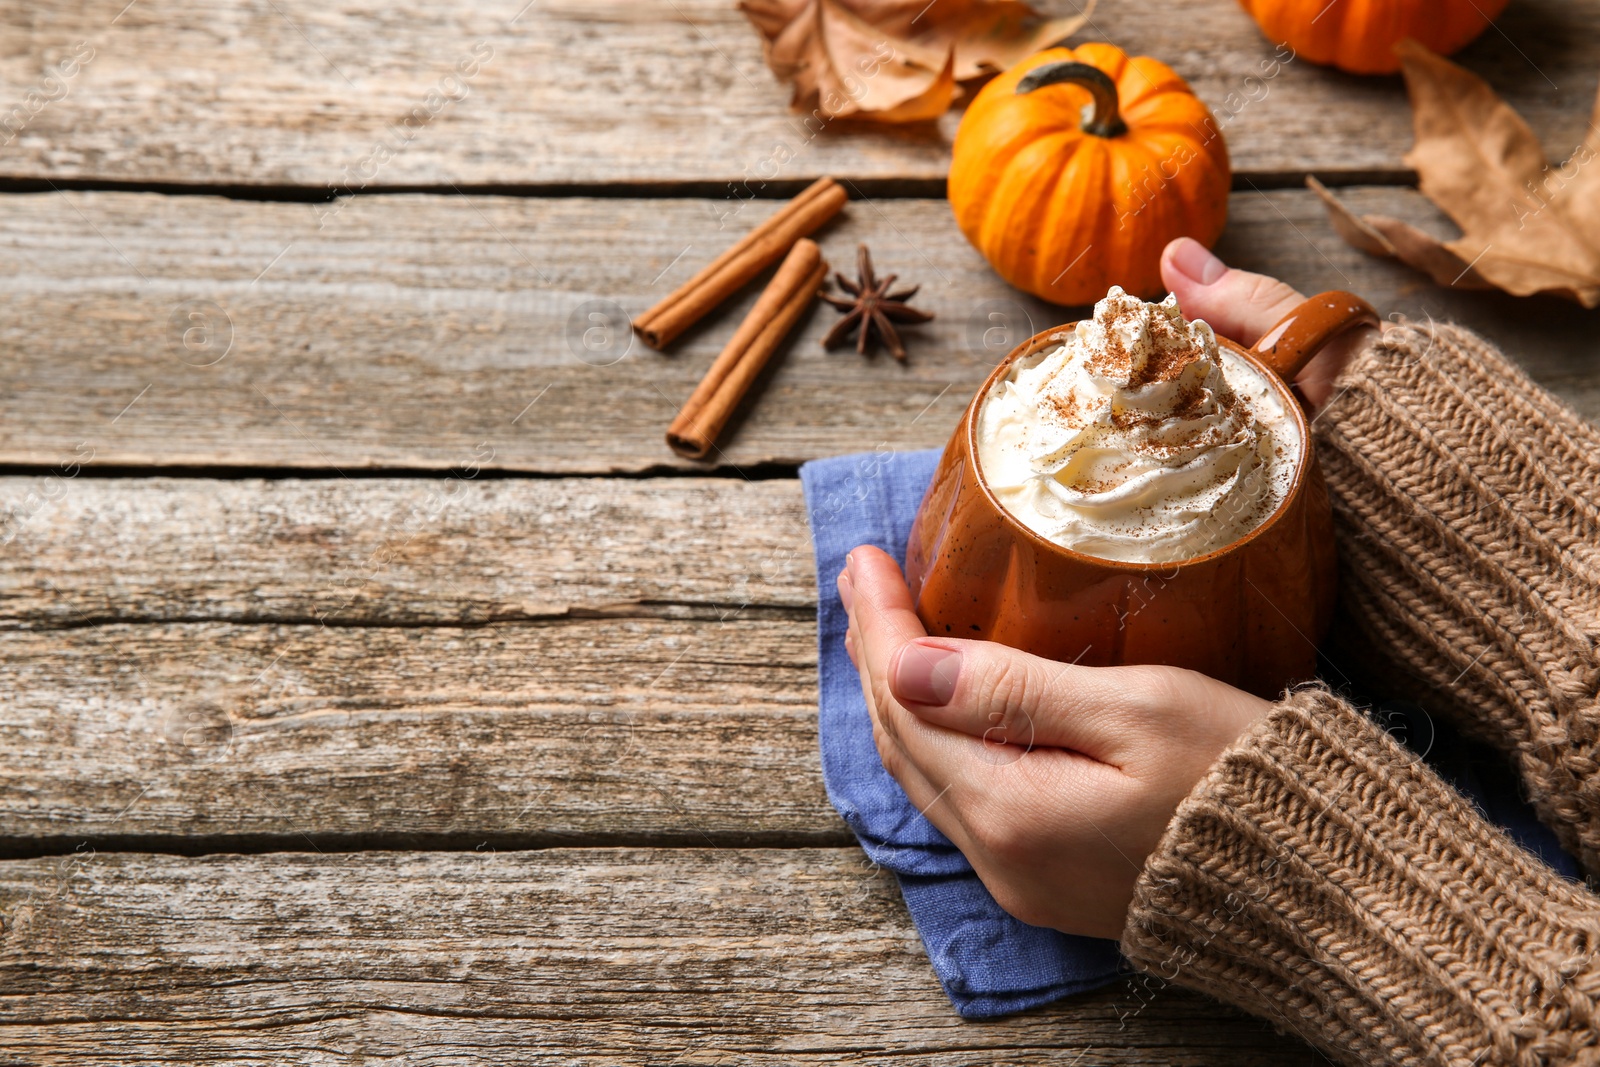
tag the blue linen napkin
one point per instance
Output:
(989, 963)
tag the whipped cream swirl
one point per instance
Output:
(1138, 439)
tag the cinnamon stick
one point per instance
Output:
(757, 250)
(783, 301)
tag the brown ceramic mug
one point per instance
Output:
(1250, 613)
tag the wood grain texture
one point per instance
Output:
(297, 93)
(450, 333)
(399, 551)
(558, 957)
(660, 683)
(245, 736)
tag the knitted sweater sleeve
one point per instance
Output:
(1324, 879)
(1319, 875)
(1467, 505)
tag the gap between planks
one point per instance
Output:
(329, 844)
(225, 472)
(779, 189)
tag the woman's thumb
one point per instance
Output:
(1004, 696)
(1237, 304)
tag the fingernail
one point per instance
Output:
(926, 674)
(847, 591)
(1195, 262)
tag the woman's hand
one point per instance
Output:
(1242, 306)
(1056, 781)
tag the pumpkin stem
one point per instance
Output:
(1103, 120)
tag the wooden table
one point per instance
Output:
(378, 687)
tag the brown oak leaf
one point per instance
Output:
(1526, 227)
(895, 60)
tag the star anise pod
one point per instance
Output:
(873, 309)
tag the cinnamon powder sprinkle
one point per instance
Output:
(1173, 351)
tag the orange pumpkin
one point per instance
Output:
(1072, 170)
(1360, 35)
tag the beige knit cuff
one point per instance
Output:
(1319, 876)
(1465, 382)
(1467, 507)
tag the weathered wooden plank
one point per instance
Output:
(446, 332)
(237, 736)
(512, 92)
(591, 956)
(398, 551)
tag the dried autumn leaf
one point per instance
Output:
(895, 60)
(1379, 235)
(841, 64)
(1527, 228)
(995, 36)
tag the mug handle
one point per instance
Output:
(1301, 334)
